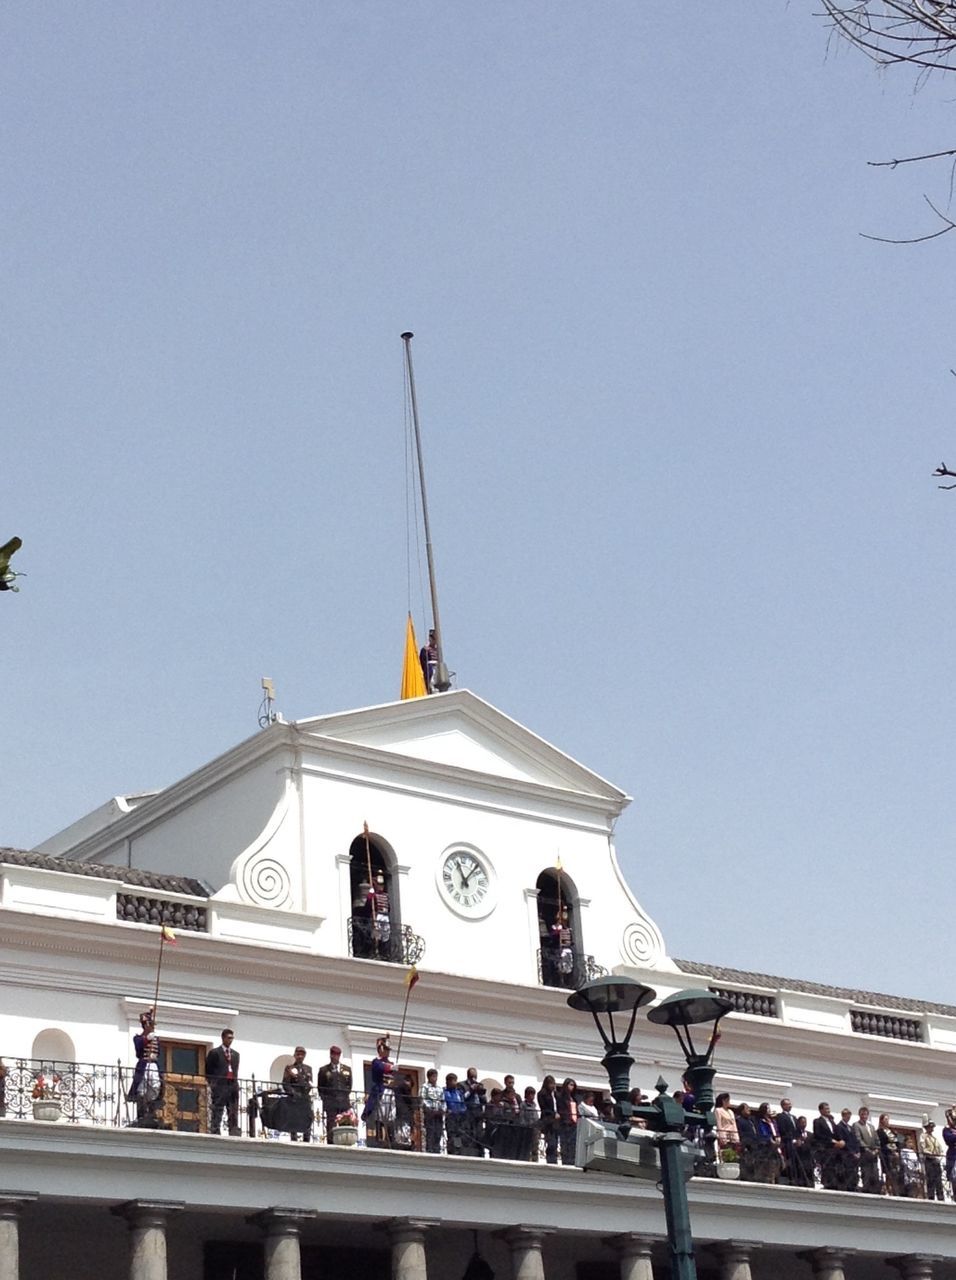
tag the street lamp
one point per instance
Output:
(665, 1117)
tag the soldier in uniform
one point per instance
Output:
(334, 1083)
(380, 913)
(147, 1087)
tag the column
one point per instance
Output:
(734, 1256)
(147, 1235)
(11, 1206)
(282, 1228)
(634, 1252)
(407, 1238)
(827, 1263)
(525, 1244)
(913, 1266)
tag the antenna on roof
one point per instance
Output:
(267, 712)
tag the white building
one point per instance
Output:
(481, 829)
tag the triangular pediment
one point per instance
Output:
(462, 731)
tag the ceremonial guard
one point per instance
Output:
(296, 1116)
(222, 1072)
(147, 1087)
(380, 913)
(379, 1112)
(562, 945)
(335, 1087)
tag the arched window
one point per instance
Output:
(375, 924)
(560, 962)
(53, 1046)
(278, 1067)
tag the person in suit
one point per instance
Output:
(828, 1148)
(334, 1083)
(787, 1129)
(865, 1135)
(848, 1165)
(222, 1072)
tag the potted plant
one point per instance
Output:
(728, 1163)
(345, 1130)
(46, 1097)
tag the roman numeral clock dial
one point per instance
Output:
(466, 883)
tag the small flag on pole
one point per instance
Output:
(413, 681)
(411, 977)
(167, 934)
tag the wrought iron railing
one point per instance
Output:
(567, 969)
(368, 941)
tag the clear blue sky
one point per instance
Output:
(679, 417)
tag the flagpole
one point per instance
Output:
(371, 882)
(441, 681)
(410, 982)
(159, 967)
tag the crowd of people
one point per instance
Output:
(845, 1154)
(465, 1117)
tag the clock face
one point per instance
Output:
(466, 883)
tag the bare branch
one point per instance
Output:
(932, 235)
(891, 164)
(919, 32)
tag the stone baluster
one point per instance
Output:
(913, 1266)
(634, 1252)
(12, 1204)
(734, 1257)
(281, 1228)
(827, 1263)
(407, 1238)
(525, 1243)
(147, 1235)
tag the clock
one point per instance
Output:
(466, 883)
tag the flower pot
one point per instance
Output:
(730, 1171)
(47, 1109)
(344, 1135)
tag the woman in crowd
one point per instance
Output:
(567, 1107)
(587, 1108)
(949, 1139)
(726, 1121)
(767, 1154)
(747, 1135)
(548, 1106)
(890, 1156)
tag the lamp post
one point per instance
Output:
(664, 1116)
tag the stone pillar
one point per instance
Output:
(913, 1266)
(281, 1228)
(634, 1252)
(11, 1206)
(147, 1235)
(525, 1244)
(407, 1238)
(734, 1256)
(827, 1263)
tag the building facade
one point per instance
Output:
(303, 873)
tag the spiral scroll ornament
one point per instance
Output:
(265, 882)
(640, 944)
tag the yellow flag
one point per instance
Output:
(413, 682)
(168, 935)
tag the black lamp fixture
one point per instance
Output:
(604, 998)
(691, 1008)
(477, 1268)
(664, 1117)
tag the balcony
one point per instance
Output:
(568, 970)
(365, 940)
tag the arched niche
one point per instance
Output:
(278, 1067)
(53, 1045)
(559, 929)
(375, 922)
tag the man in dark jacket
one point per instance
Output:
(334, 1083)
(222, 1072)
